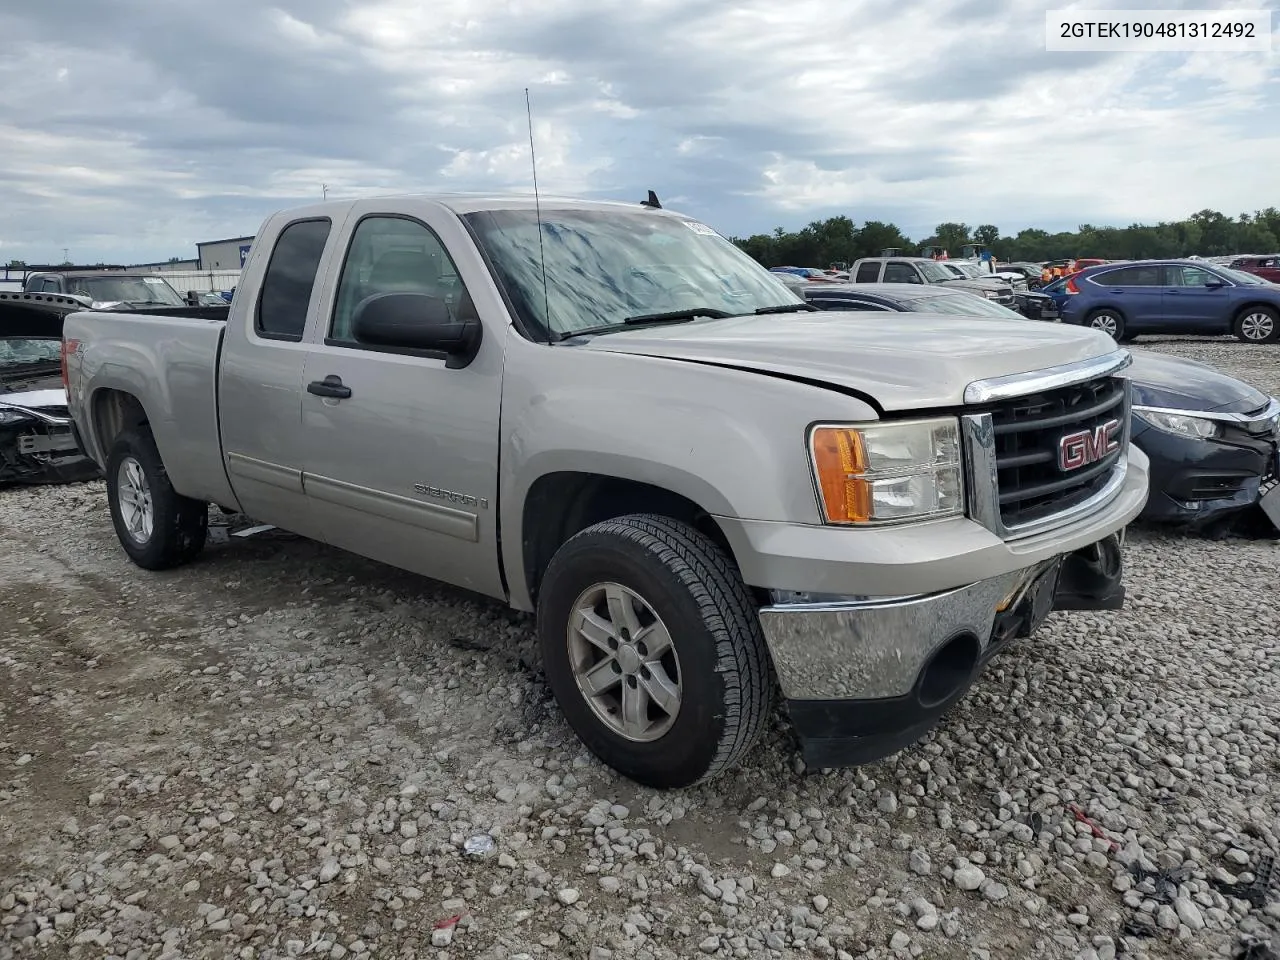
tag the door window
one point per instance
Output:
(900, 273)
(391, 255)
(868, 273)
(289, 280)
(1190, 277)
(1129, 277)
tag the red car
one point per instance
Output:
(1268, 268)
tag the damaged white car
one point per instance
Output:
(37, 444)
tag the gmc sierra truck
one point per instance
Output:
(609, 416)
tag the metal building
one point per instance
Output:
(223, 254)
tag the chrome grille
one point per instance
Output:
(1030, 460)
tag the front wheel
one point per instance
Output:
(157, 526)
(653, 648)
(1109, 322)
(1258, 325)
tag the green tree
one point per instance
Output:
(988, 235)
(951, 237)
(1205, 232)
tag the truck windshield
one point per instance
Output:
(125, 290)
(604, 266)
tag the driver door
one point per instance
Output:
(401, 459)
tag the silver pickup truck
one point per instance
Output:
(607, 414)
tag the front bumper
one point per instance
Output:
(42, 449)
(866, 678)
(1197, 483)
(914, 559)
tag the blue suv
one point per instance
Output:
(1172, 297)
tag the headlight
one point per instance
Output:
(1182, 424)
(991, 294)
(888, 472)
(12, 416)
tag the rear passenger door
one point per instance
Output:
(260, 379)
(1135, 291)
(403, 468)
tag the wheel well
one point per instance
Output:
(562, 504)
(1254, 306)
(1106, 308)
(114, 412)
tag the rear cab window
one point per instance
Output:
(868, 272)
(290, 279)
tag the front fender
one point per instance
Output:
(731, 441)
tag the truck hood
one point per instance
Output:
(916, 361)
(975, 283)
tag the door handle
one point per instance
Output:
(330, 386)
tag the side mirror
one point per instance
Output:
(417, 321)
(1215, 284)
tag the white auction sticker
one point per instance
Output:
(1157, 31)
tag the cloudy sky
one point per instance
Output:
(131, 129)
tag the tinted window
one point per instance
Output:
(51, 285)
(291, 275)
(900, 273)
(392, 255)
(1129, 277)
(868, 273)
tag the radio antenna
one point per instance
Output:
(537, 207)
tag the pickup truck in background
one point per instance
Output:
(106, 289)
(608, 415)
(924, 270)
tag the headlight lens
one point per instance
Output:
(1182, 424)
(888, 472)
(12, 416)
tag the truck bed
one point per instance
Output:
(169, 363)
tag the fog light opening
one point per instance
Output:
(948, 670)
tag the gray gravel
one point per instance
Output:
(283, 750)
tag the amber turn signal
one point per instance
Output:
(839, 457)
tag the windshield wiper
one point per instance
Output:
(650, 319)
(785, 308)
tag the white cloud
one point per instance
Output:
(133, 137)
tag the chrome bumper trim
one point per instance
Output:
(875, 647)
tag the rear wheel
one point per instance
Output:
(157, 526)
(1258, 325)
(653, 648)
(1108, 321)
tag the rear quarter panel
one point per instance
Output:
(167, 364)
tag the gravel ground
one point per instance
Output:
(284, 750)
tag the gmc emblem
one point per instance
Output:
(1079, 449)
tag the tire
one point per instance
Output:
(1257, 324)
(720, 663)
(178, 525)
(1109, 321)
